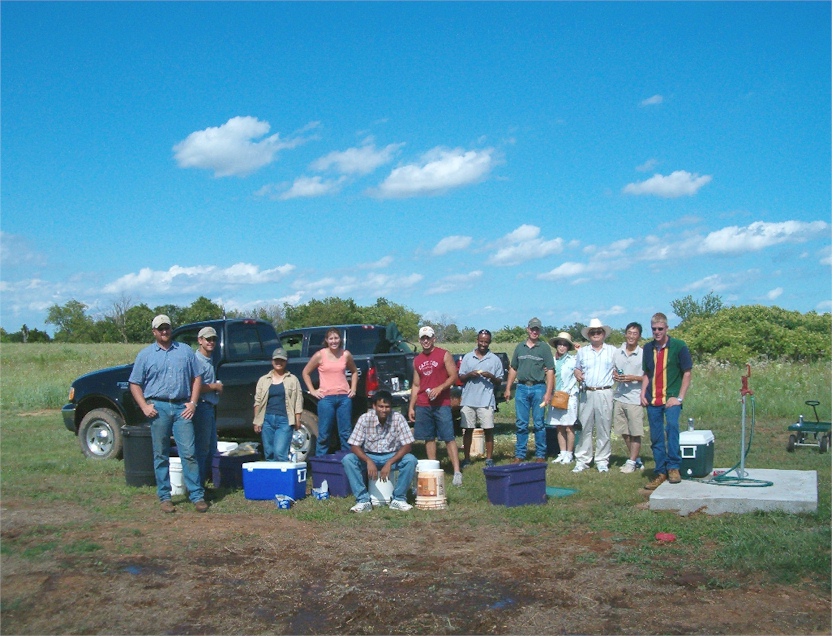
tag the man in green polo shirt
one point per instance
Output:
(532, 365)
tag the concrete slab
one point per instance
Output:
(791, 491)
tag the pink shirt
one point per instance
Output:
(331, 378)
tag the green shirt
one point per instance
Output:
(531, 363)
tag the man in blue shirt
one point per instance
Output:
(165, 384)
(480, 371)
(205, 417)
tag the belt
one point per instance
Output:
(530, 383)
(175, 401)
(598, 388)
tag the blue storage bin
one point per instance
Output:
(329, 468)
(517, 484)
(265, 480)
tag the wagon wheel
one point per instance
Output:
(791, 442)
(824, 443)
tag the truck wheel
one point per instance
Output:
(791, 442)
(303, 440)
(100, 434)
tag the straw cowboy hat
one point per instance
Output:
(595, 324)
(562, 336)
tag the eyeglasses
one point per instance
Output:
(595, 332)
(657, 329)
(163, 328)
(211, 339)
(534, 329)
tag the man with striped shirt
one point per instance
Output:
(666, 363)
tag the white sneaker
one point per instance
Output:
(568, 457)
(559, 459)
(361, 507)
(628, 467)
(602, 467)
(580, 466)
(457, 481)
(400, 505)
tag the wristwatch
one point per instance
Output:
(680, 400)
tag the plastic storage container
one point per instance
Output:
(697, 453)
(329, 468)
(138, 456)
(517, 484)
(227, 471)
(265, 480)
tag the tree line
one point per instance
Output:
(711, 330)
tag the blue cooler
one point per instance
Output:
(265, 480)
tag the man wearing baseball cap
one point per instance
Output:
(532, 365)
(430, 406)
(205, 417)
(165, 384)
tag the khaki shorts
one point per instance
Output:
(472, 415)
(628, 419)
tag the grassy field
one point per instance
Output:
(41, 463)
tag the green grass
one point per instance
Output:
(40, 462)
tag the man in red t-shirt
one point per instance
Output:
(430, 406)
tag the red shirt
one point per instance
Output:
(432, 373)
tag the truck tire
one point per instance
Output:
(100, 434)
(303, 440)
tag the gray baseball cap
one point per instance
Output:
(279, 353)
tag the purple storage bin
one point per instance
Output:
(517, 484)
(329, 468)
(227, 471)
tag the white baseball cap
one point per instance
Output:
(426, 330)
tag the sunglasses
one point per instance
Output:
(163, 328)
(657, 329)
(211, 339)
(595, 332)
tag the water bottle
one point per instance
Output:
(801, 420)
(324, 487)
(691, 424)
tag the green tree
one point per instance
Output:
(137, 324)
(203, 309)
(687, 308)
(384, 312)
(173, 312)
(72, 323)
(510, 334)
(330, 311)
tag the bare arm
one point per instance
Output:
(510, 379)
(414, 392)
(683, 389)
(354, 374)
(312, 364)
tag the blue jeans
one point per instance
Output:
(169, 421)
(355, 471)
(339, 409)
(277, 436)
(528, 398)
(205, 438)
(666, 453)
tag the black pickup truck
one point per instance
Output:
(100, 402)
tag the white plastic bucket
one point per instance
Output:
(427, 465)
(177, 483)
(431, 490)
(478, 443)
(223, 447)
(381, 492)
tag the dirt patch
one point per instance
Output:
(196, 574)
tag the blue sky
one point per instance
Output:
(479, 163)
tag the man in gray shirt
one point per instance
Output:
(205, 417)
(165, 384)
(480, 371)
(628, 412)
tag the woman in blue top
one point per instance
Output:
(278, 407)
(565, 380)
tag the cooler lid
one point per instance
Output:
(696, 437)
(282, 466)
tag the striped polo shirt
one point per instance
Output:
(664, 367)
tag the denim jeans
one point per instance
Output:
(666, 451)
(339, 409)
(277, 436)
(205, 438)
(355, 471)
(169, 421)
(528, 398)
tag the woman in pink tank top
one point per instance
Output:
(335, 396)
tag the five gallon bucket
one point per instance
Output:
(478, 443)
(431, 490)
(138, 456)
(177, 482)
(381, 492)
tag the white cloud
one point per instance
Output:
(774, 293)
(824, 306)
(825, 256)
(758, 236)
(647, 166)
(381, 263)
(722, 282)
(197, 279)
(438, 171)
(375, 284)
(677, 184)
(230, 149)
(359, 161)
(523, 244)
(312, 187)
(456, 282)
(451, 244)
(565, 271)
(651, 101)
(16, 252)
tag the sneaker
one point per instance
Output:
(167, 506)
(466, 463)
(580, 466)
(516, 461)
(201, 506)
(400, 505)
(602, 467)
(658, 480)
(674, 476)
(458, 479)
(639, 464)
(490, 462)
(568, 457)
(558, 458)
(361, 507)
(628, 467)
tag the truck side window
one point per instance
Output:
(292, 343)
(189, 338)
(244, 342)
(268, 338)
(316, 341)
